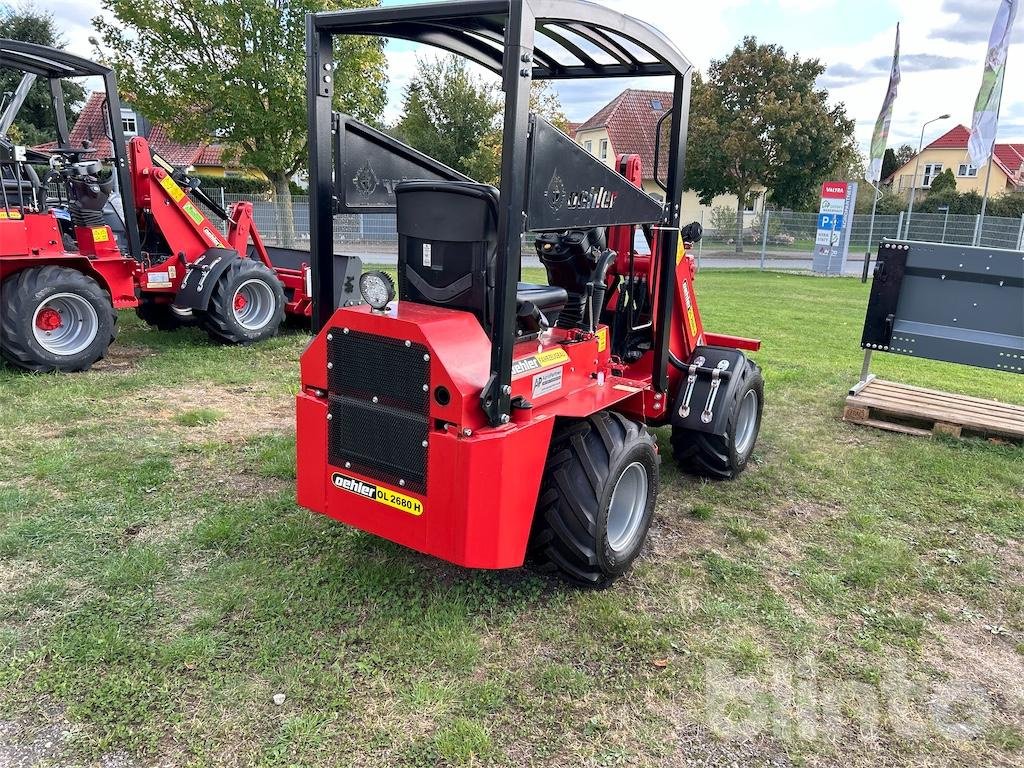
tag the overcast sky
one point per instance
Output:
(943, 46)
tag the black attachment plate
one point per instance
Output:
(368, 165)
(689, 408)
(201, 276)
(953, 303)
(569, 188)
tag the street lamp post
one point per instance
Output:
(917, 167)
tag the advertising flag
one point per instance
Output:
(986, 108)
(881, 135)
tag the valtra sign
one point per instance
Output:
(835, 214)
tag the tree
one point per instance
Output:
(889, 164)
(456, 117)
(35, 123)
(759, 120)
(944, 182)
(452, 115)
(904, 155)
(236, 69)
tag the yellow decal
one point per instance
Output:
(192, 212)
(172, 188)
(381, 495)
(538, 361)
(693, 321)
(12, 215)
(602, 339)
(100, 234)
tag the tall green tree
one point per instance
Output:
(758, 120)
(904, 155)
(944, 182)
(236, 70)
(451, 114)
(35, 123)
(889, 165)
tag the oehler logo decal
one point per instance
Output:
(378, 493)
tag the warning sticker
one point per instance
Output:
(602, 339)
(540, 360)
(547, 382)
(100, 234)
(381, 495)
(193, 213)
(172, 188)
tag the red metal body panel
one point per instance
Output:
(35, 241)
(472, 467)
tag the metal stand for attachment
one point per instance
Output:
(866, 376)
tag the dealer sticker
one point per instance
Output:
(378, 493)
(547, 382)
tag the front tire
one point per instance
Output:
(247, 304)
(723, 457)
(596, 499)
(55, 319)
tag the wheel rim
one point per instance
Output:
(65, 324)
(746, 423)
(253, 304)
(626, 509)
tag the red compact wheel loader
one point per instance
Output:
(124, 231)
(478, 418)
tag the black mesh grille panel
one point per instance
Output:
(365, 366)
(379, 406)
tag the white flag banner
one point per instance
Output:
(986, 108)
(880, 137)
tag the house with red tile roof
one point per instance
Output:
(950, 151)
(205, 157)
(627, 125)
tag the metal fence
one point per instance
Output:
(772, 240)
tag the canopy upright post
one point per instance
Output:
(516, 78)
(319, 93)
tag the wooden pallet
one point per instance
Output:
(917, 411)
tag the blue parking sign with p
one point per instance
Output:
(830, 221)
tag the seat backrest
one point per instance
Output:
(447, 235)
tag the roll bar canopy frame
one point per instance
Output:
(520, 40)
(55, 65)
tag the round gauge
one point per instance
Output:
(377, 289)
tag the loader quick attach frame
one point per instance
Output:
(951, 303)
(522, 41)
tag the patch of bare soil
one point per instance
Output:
(24, 745)
(243, 412)
(16, 574)
(973, 657)
(122, 358)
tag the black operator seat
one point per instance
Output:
(447, 242)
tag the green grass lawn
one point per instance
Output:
(855, 598)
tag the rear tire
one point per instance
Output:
(158, 315)
(54, 319)
(247, 304)
(596, 499)
(723, 457)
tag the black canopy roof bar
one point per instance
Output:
(520, 40)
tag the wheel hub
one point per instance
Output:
(627, 506)
(48, 319)
(65, 324)
(253, 304)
